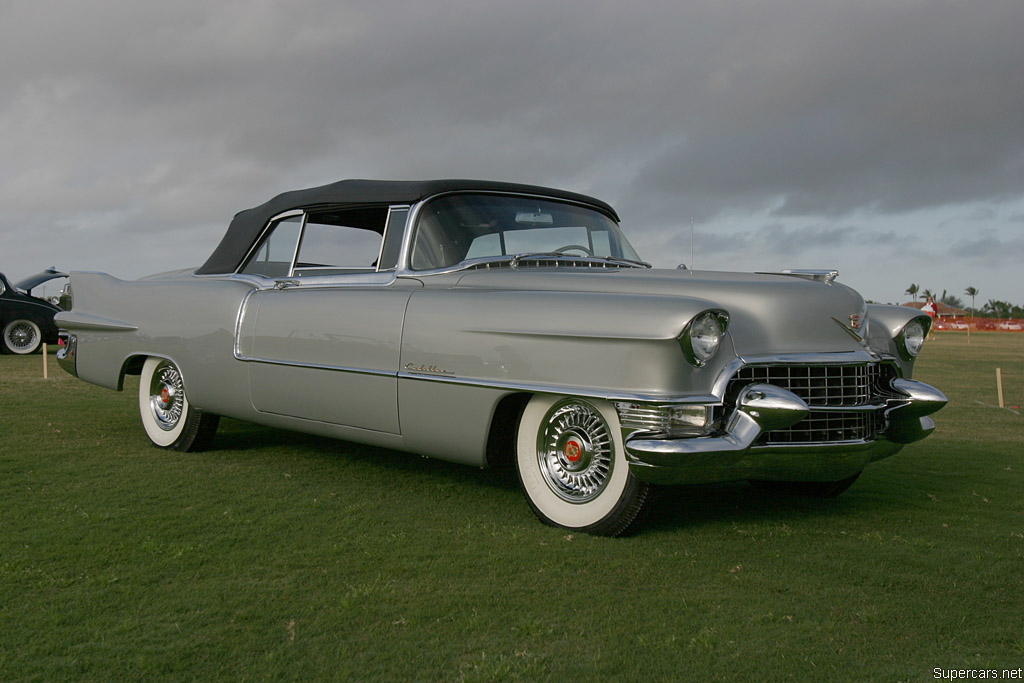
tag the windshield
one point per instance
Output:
(455, 228)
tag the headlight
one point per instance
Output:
(911, 339)
(702, 337)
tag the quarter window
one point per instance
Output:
(274, 257)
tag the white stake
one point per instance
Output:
(999, 386)
(46, 374)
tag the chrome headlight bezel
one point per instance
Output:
(703, 335)
(911, 338)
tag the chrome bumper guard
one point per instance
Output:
(762, 408)
(67, 354)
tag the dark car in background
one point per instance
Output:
(26, 321)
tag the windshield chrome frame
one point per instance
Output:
(404, 260)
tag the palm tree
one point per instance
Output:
(997, 307)
(912, 291)
(951, 300)
(928, 294)
(971, 292)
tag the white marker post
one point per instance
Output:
(46, 374)
(999, 386)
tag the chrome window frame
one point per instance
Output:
(389, 226)
(258, 242)
(404, 262)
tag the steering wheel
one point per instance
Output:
(568, 247)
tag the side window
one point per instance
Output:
(393, 238)
(341, 241)
(274, 257)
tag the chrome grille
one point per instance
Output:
(817, 385)
(824, 426)
(848, 398)
(653, 417)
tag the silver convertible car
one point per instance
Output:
(492, 323)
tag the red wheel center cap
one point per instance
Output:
(165, 395)
(572, 451)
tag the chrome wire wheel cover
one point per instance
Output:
(574, 451)
(166, 396)
(21, 335)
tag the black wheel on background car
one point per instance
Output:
(810, 489)
(22, 336)
(169, 420)
(572, 466)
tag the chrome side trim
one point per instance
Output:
(562, 390)
(364, 279)
(317, 366)
(33, 301)
(849, 330)
(84, 321)
(239, 320)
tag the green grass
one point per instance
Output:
(279, 555)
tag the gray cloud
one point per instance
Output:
(988, 247)
(126, 121)
(889, 108)
(778, 239)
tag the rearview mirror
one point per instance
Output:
(537, 218)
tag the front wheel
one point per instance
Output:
(169, 420)
(572, 466)
(22, 337)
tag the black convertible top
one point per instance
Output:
(247, 225)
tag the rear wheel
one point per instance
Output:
(572, 466)
(22, 336)
(169, 420)
(810, 489)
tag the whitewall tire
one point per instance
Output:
(168, 418)
(572, 466)
(22, 337)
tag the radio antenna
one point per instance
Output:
(691, 243)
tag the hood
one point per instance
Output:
(769, 314)
(33, 281)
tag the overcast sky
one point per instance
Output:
(885, 139)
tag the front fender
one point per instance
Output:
(886, 322)
(597, 343)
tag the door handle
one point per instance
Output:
(282, 284)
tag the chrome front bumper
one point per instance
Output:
(761, 408)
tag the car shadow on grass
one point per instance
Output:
(675, 507)
(236, 437)
(670, 507)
